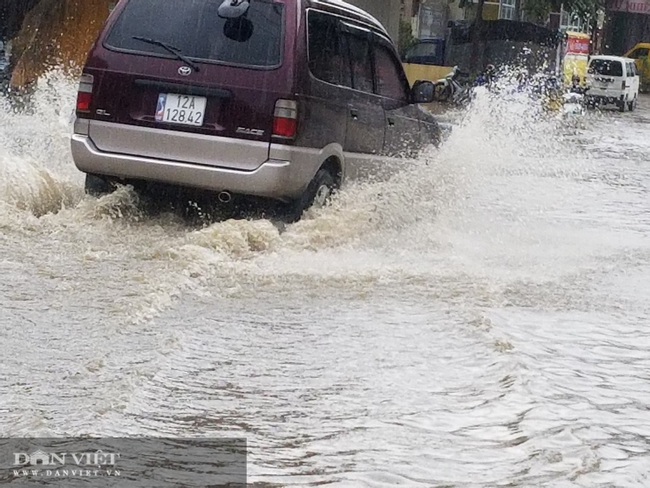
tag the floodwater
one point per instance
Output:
(478, 320)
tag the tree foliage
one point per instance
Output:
(406, 37)
(538, 10)
(585, 10)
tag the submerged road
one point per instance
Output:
(479, 320)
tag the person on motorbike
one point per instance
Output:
(522, 79)
(576, 85)
(487, 77)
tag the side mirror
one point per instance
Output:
(422, 92)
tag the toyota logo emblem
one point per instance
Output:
(185, 71)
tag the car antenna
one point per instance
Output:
(233, 9)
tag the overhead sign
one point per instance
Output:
(631, 6)
(578, 45)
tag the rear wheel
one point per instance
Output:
(97, 186)
(317, 195)
(443, 92)
(632, 105)
(464, 96)
(622, 106)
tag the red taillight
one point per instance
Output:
(83, 102)
(284, 127)
(622, 85)
(285, 119)
(85, 93)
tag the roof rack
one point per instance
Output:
(349, 8)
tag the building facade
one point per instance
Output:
(385, 11)
(627, 23)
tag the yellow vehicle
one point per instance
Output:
(640, 55)
(576, 57)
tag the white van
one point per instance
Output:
(613, 80)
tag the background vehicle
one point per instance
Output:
(251, 101)
(573, 104)
(575, 60)
(453, 88)
(613, 80)
(426, 60)
(426, 51)
(5, 54)
(640, 54)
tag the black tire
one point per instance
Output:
(318, 193)
(442, 92)
(465, 96)
(622, 106)
(97, 186)
(632, 105)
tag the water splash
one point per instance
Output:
(36, 175)
(451, 212)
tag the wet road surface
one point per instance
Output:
(478, 320)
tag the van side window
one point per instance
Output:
(640, 53)
(630, 70)
(389, 75)
(328, 60)
(360, 63)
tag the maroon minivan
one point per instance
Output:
(281, 99)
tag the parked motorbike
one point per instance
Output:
(573, 104)
(453, 88)
(575, 99)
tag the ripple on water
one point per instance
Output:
(476, 320)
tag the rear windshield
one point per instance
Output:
(196, 30)
(606, 68)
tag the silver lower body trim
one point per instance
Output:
(273, 178)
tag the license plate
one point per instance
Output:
(180, 109)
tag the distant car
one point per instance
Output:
(640, 54)
(281, 99)
(4, 62)
(612, 80)
(4, 65)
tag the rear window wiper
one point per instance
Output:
(168, 47)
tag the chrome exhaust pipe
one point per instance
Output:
(224, 197)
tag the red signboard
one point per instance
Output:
(631, 6)
(577, 45)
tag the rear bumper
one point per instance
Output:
(604, 98)
(273, 179)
